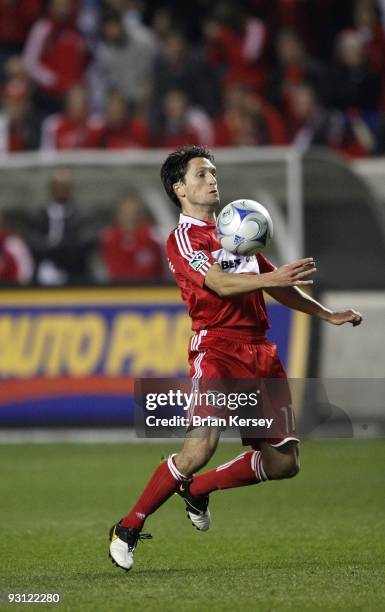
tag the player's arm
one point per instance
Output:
(289, 275)
(294, 298)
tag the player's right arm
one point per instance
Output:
(289, 275)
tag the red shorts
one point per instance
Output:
(215, 356)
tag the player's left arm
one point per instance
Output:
(294, 298)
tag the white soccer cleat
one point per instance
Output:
(123, 541)
(196, 507)
(200, 521)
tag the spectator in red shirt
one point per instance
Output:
(16, 263)
(75, 128)
(235, 45)
(248, 120)
(55, 55)
(8, 265)
(182, 124)
(121, 130)
(130, 248)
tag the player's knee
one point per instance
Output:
(189, 462)
(286, 467)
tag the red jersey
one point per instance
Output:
(132, 257)
(61, 132)
(56, 56)
(8, 263)
(192, 248)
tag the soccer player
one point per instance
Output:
(228, 313)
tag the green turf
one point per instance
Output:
(313, 543)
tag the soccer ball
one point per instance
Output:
(244, 227)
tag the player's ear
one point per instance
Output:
(179, 189)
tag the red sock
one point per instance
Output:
(159, 488)
(246, 469)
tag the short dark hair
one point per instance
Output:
(174, 167)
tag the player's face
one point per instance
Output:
(200, 183)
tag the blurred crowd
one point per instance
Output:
(119, 74)
(64, 245)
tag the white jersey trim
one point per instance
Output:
(195, 384)
(185, 248)
(197, 339)
(192, 220)
(285, 441)
(173, 469)
(228, 463)
(257, 467)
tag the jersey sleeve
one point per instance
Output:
(265, 264)
(189, 255)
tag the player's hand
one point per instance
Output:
(293, 274)
(345, 316)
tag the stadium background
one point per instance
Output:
(70, 349)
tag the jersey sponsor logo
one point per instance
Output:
(236, 263)
(199, 259)
(230, 264)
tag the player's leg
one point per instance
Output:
(225, 361)
(243, 470)
(211, 364)
(265, 462)
(271, 459)
(280, 462)
(198, 448)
